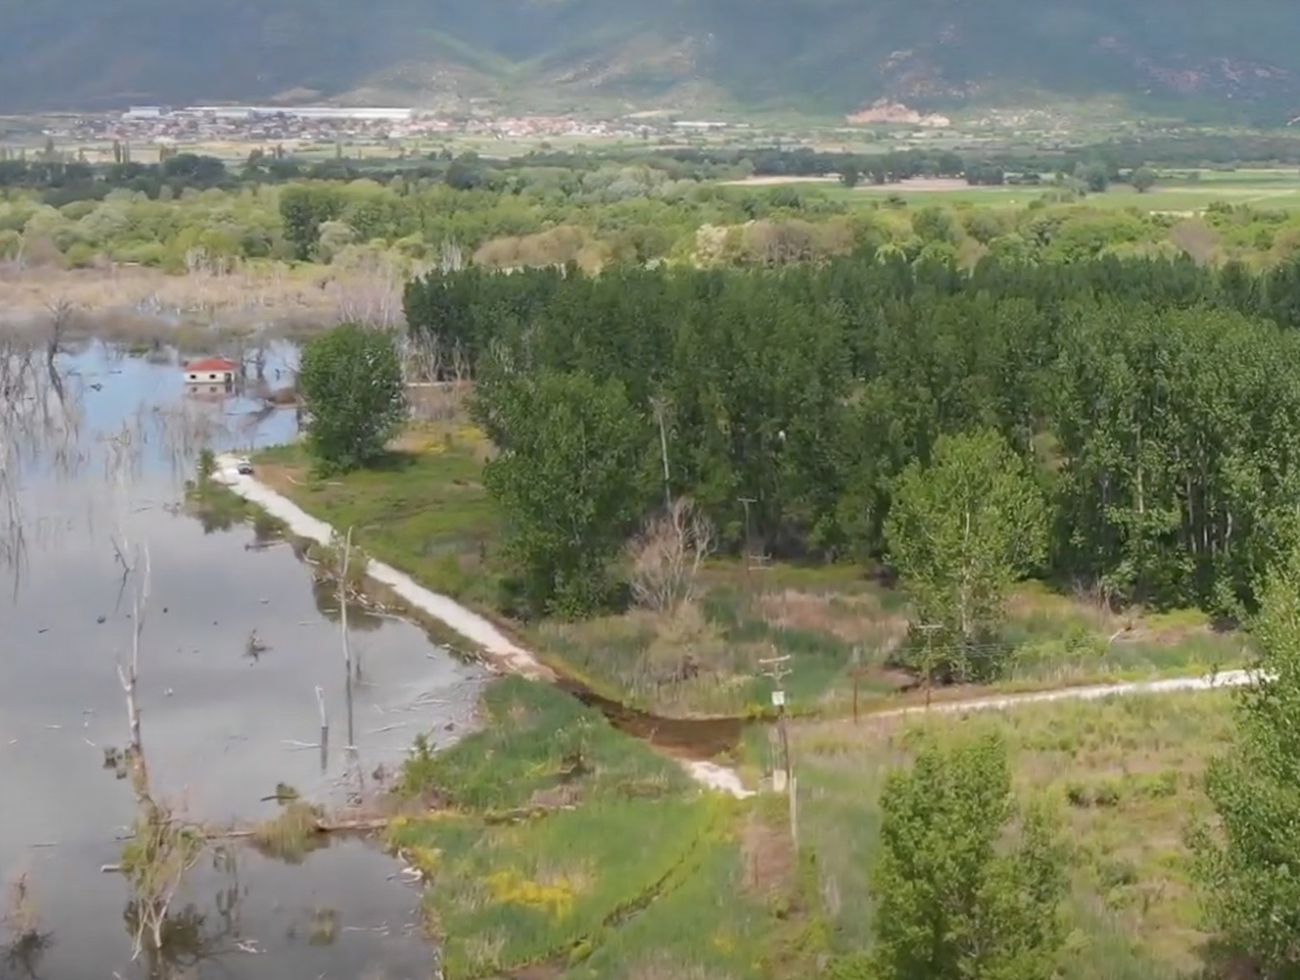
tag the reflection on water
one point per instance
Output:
(99, 459)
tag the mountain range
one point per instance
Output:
(829, 56)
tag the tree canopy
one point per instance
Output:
(351, 384)
(1246, 867)
(1156, 402)
(954, 902)
(962, 530)
(570, 476)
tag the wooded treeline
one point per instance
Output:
(1158, 401)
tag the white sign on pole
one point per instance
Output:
(778, 699)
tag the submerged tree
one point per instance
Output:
(351, 382)
(960, 532)
(954, 902)
(23, 942)
(1247, 868)
(163, 845)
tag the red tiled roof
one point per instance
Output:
(210, 365)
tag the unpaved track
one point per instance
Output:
(479, 631)
(510, 656)
(1208, 682)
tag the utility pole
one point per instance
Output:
(660, 405)
(746, 501)
(777, 668)
(929, 629)
(855, 671)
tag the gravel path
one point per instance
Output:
(510, 656)
(1209, 682)
(495, 644)
(478, 630)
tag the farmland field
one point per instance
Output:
(1180, 191)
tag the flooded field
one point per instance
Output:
(237, 638)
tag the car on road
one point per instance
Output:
(243, 466)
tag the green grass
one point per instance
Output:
(423, 510)
(820, 617)
(1263, 188)
(1124, 775)
(623, 866)
(506, 897)
(719, 920)
(533, 738)
(426, 512)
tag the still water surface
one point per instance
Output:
(220, 727)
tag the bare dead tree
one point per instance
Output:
(164, 846)
(345, 558)
(462, 366)
(422, 358)
(129, 675)
(37, 421)
(667, 557)
(61, 313)
(259, 362)
(451, 258)
(179, 432)
(24, 941)
(372, 295)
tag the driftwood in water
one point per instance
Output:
(321, 827)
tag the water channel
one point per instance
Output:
(221, 727)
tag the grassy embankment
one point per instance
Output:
(562, 847)
(425, 511)
(1124, 775)
(557, 828)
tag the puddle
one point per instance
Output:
(698, 739)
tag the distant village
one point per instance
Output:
(326, 124)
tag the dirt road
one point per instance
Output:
(510, 656)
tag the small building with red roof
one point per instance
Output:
(210, 370)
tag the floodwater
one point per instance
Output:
(221, 725)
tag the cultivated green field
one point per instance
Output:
(1180, 191)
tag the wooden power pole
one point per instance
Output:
(928, 665)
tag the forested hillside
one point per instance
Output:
(834, 55)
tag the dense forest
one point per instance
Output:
(1157, 402)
